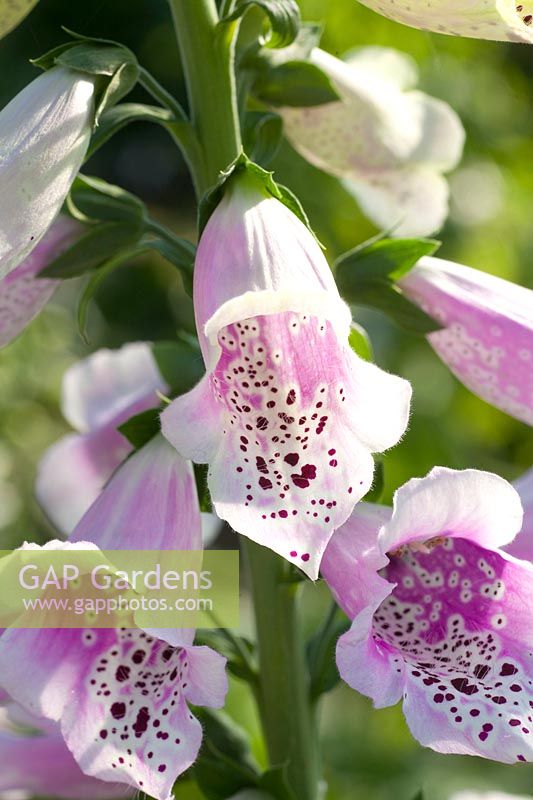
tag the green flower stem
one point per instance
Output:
(284, 692)
(207, 51)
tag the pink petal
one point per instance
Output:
(476, 505)
(192, 422)
(22, 293)
(149, 503)
(120, 723)
(487, 339)
(111, 385)
(53, 772)
(522, 546)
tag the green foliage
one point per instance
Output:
(12, 12)
(262, 132)
(321, 653)
(114, 119)
(180, 365)
(139, 429)
(366, 276)
(283, 17)
(295, 83)
(359, 341)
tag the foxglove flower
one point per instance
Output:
(506, 20)
(287, 415)
(487, 334)
(446, 625)
(389, 143)
(121, 696)
(44, 134)
(22, 293)
(98, 394)
(36, 761)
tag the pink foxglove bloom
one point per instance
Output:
(287, 416)
(446, 625)
(121, 696)
(45, 131)
(22, 293)
(487, 334)
(36, 761)
(389, 143)
(507, 20)
(98, 394)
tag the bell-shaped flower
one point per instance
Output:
(389, 143)
(98, 394)
(500, 20)
(37, 763)
(446, 624)
(287, 416)
(487, 334)
(121, 696)
(22, 293)
(44, 133)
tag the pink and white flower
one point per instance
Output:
(121, 696)
(287, 416)
(389, 143)
(487, 334)
(506, 20)
(522, 546)
(446, 625)
(22, 293)
(98, 394)
(37, 763)
(45, 132)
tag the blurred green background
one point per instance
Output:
(367, 754)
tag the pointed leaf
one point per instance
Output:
(94, 248)
(295, 83)
(116, 118)
(391, 258)
(139, 429)
(180, 365)
(360, 342)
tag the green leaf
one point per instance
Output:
(93, 199)
(321, 653)
(238, 650)
(178, 252)
(378, 484)
(139, 429)
(200, 476)
(391, 258)
(12, 12)
(295, 83)
(262, 135)
(283, 16)
(360, 343)
(180, 365)
(99, 244)
(265, 181)
(367, 274)
(116, 118)
(225, 765)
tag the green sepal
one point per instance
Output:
(265, 180)
(366, 276)
(141, 428)
(225, 765)
(283, 16)
(262, 134)
(114, 66)
(295, 83)
(360, 343)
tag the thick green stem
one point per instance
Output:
(284, 691)
(207, 51)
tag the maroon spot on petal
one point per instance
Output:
(291, 397)
(138, 656)
(162, 768)
(141, 723)
(508, 669)
(123, 673)
(306, 557)
(265, 483)
(103, 734)
(309, 471)
(261, 465)
(301, 483)
(262, 423)
(118, 710)
(481, 670)
(293, 553)
(283, 513)
(292, 459)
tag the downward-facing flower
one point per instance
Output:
(22, 293)
(37, 763)
(121, 696)
(98, 394)
(487, 334)
(287, 415)
(507, 20)
(44, 135)
(390, 144)
(446, 625)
